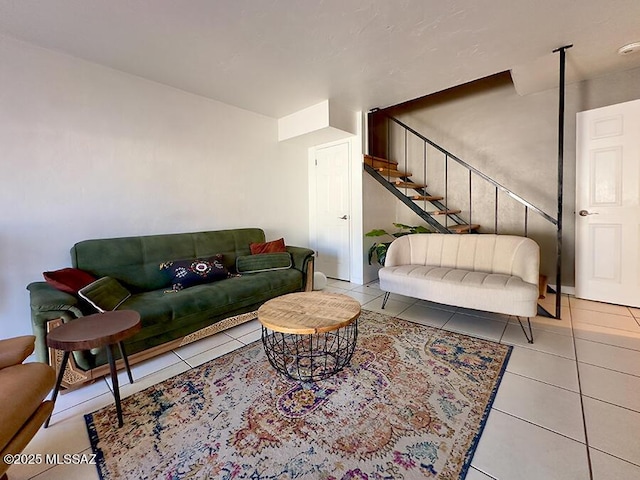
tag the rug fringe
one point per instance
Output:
(93, 439)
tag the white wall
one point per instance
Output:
(90, 152)
(380, 211)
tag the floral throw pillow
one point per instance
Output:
(186, 273)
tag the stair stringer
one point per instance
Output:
(406, 200)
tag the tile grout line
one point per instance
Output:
(530, 422)
(608, 344)
(543, 382)
(611, 369)
(539, 351)
(606, 313)
(482, 472)
(616, 330)
(616, 457)
(584, 418)
(612, 404)
(109, 393)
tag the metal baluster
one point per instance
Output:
(526, 220)
(405, 157)
(470, 201)
(438, 224)
(424, 174)
(475, 171)
(388, 138)
(495, 214)
(446, 195)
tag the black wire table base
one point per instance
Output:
(310, 357)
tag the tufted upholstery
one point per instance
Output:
(496, 273)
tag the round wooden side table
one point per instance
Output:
(94, 331)
(309, 336)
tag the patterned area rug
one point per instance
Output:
(411, 405)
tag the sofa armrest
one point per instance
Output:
(45, 298)
(300, 257)
(48, 303)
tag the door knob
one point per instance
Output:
(584, 213)
(343, 217)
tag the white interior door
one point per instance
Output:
(333, 212)
(608, 204)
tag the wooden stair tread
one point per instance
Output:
(385, 172)
(428, 198)
(379, 162)
(444, 212)
(408, 185)
(464, 228)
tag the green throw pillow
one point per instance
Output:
(105, 294)
(263, 262)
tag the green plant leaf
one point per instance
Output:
(372, 250)
(403, 226)
(406, 229)
(420, 229)
(376, 233)
(379, 249)
(381, 252)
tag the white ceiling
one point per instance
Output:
(276, 57)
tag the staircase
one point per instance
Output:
(399, 184)
(435, 209)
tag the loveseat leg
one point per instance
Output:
(386, 297)
(530, 335)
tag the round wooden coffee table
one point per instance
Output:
(309, 336)
(94, 331)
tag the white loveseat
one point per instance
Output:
(495, 273)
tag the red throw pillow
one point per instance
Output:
(69, 280)
(275, 246)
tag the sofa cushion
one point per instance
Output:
(274, 246)
(187, 273)
(263, 262)
(105, 294)
(164, 315)
(235, 293)
(68, 280)
(492, 292)
(505, 254)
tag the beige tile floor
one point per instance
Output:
(568, 406)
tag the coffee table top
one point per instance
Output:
(306, 313)
(95, 331)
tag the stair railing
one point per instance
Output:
(528, 206)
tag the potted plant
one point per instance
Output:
(379, 249)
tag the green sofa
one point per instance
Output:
(169, 319)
